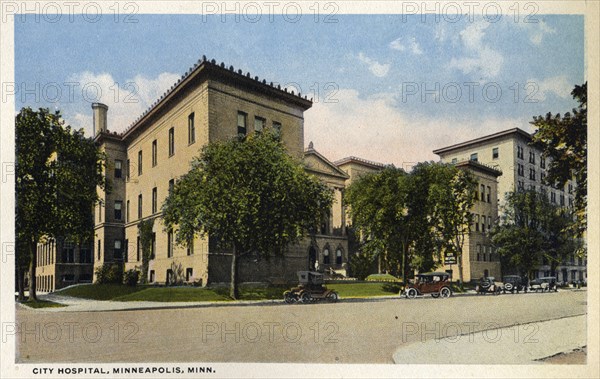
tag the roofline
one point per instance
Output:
(490, 170)
(364, 162)
(203, 66)
(483, 139)
(341, 173)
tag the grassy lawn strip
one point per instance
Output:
(172, 294)
(42, 304)
(348, 290)
(99, 291)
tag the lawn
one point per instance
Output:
(99, 291)
(117, 292)
(348, 290)
(42, 304)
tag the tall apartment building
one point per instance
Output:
(523, 167)
(209, 103)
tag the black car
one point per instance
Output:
(544, 284)
(514, 283)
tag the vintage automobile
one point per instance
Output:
(310, 289)
(514, 283)
(435, 283)
(488, 285)
(543, 284)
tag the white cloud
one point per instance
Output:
(375, 128)
(557, 85)
(413, 45)
(376, 68)
(126, 101)
(537, 31)
(481, 59)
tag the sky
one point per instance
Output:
(387, 88)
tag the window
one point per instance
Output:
(171, 142)
(241, 123)
(482, 192)
(553, 197)
(140, 206)
(171, 185)
(489, 194)
(277, 128)
(543, 177)
(153, 246)
(259, 124)
(474, 157)
(138, 249)
(191, 129)
(532, 157)
(154, 153)
(118, 168)
(189, 273)
(532, 174)
(170, 244)
(151, 276)
(570, 188)
(190, 247)
(326, 259)
(338, 257)
(127, 170)
(118, 207)
(489, 222)
(542, 162)
(85, 253)
(100, 211)
(562, 200)
(495, 153)
(519, 152)
(454, 160)
(127, 212)
(140, 162)
(98, 249)
(154, 200)
(476, 223)
(118, 252)
(483, 224)
(68, 252)
(521, 185)
(520, 169)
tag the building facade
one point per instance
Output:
(523, 167)
(61, 263)
(209, 103)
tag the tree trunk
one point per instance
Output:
(460, 268)
(404, 269)
(233, 288)
(20, 286)
(32, 267)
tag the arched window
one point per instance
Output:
(338, 256)
(326, 259)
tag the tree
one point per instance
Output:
(249, 195)
(564, 140)
(530, 229)
(58, 170)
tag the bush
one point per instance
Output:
(360, 265)
(392, 287)
(131, 277)
(109, 273)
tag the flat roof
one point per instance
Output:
(489, 137)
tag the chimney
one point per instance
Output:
(99, 110)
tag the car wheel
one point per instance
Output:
(445, 292)
(305, 297)
(411, 293)
(288, 298)
(332, 297)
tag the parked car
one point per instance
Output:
(488, 284)
(543, 284)
(310, 288)
(514, 283)
(437, 284)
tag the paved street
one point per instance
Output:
(358, 331)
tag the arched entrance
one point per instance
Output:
(312, 258)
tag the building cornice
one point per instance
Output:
(491, 137)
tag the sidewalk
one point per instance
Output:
(519, 344)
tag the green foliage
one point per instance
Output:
(145, 228)
(360, 264)
(531, 228)
(58, 171)
(131, 277)
(249, 195)
(412, 218)
(109, 273)
(564, 140)
(176, 278)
